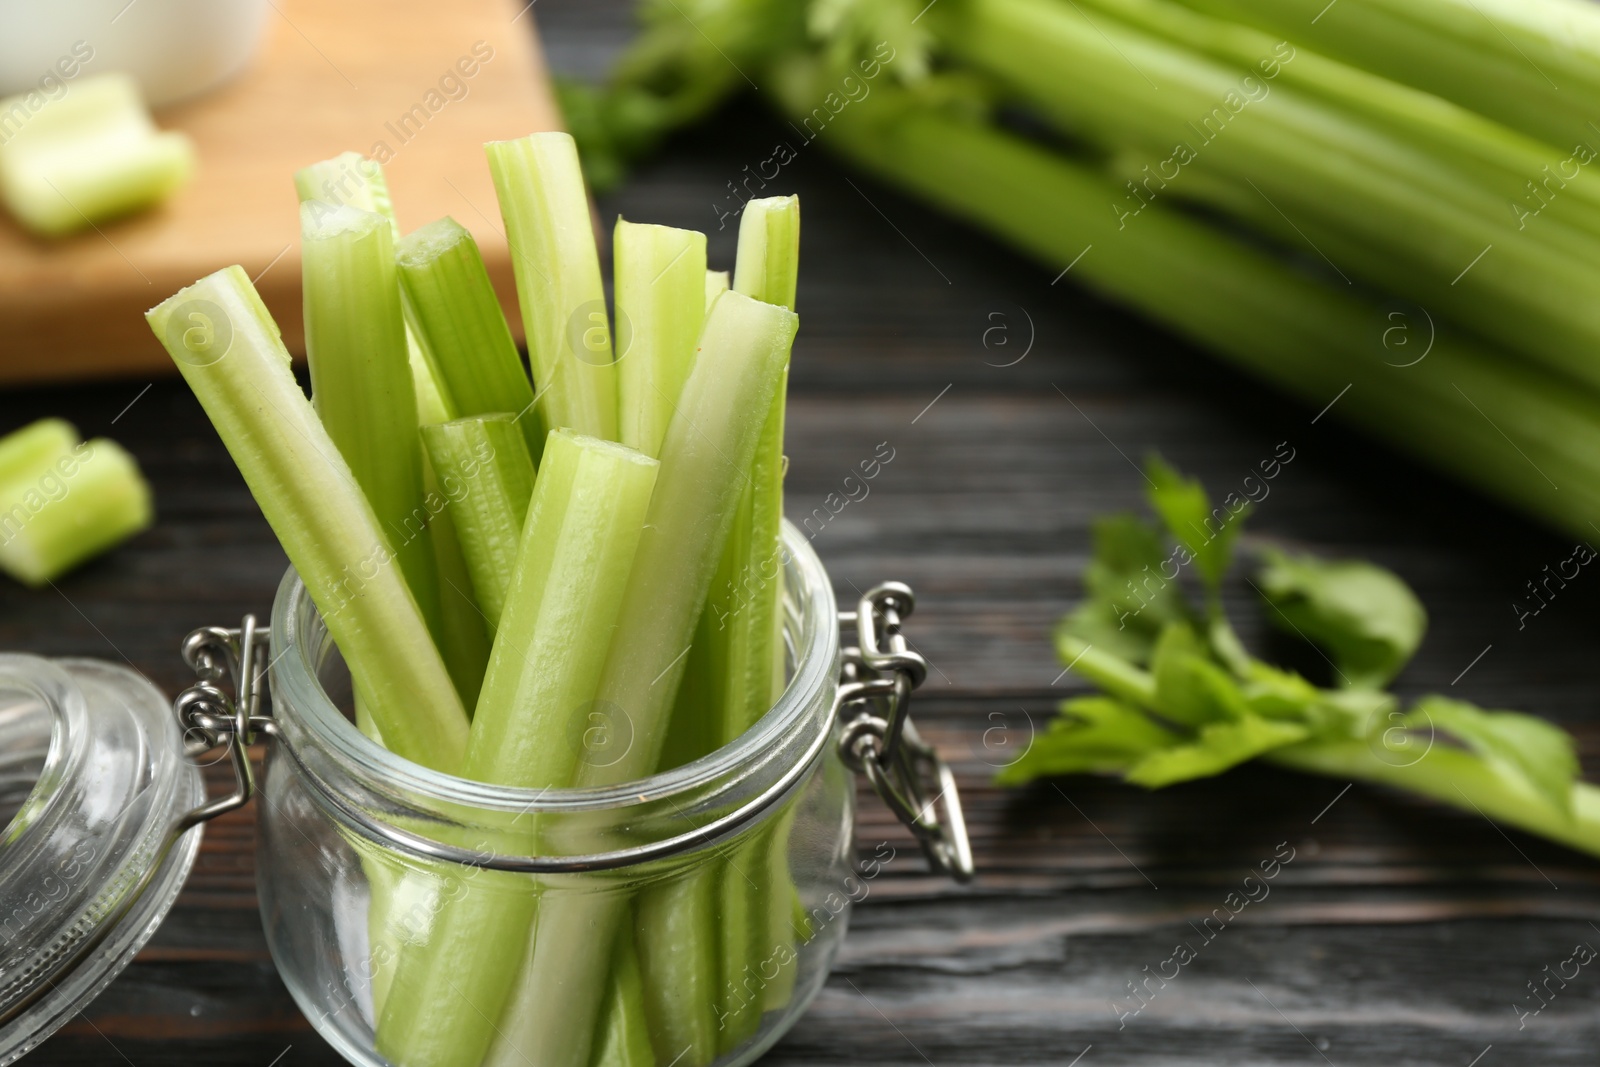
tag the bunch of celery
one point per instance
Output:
(496, 558)
(1182, 700)
(1264, 177)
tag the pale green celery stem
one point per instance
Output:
(226, 346)
(87, 156)
(1503, 159)
(546, 212)
(578, 546)
(660, 294)
(1544, 85)
(1311, 160)
(717, 283)
(709, 447)
(88, 499)
(461, 330)
(486, 475)
(361, 380)
(465, 638)
(675, 926)
(1311, 339)
(24, 453)
(624, 1038)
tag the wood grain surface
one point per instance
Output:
(419, 83)
(1400, 933)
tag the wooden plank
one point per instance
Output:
(421, 85)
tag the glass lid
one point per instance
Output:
(94, 785)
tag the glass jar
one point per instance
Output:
(687, 919)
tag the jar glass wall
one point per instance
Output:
(687, 919)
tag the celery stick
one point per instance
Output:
(717, 283)
(673, 920)
(661, 284)
(486, 475)
(584, 524)
(709, 447)
(60, 513)
(461, 329)
(228, 349)
(89, 155)
(361, 379)
(546, 212)
(767, 268)
(464, 641)
(26, 452)
(624, 1038)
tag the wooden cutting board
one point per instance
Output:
(388, 78)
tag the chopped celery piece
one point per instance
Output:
(62, 502)
(361, 379)
(546, 212)
(661, 283)
(675, 923)
(228, 349)
(349, 179)
(578, 544)
(461, 329)
(717, 283)
(484, 471)
(709, 445)
(90, 154)
(768, 265)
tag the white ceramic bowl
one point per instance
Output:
(174, 48)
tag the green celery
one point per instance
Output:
(461, 329)
(675, 929)
(1311, 160)
(88, 155)
(487, 476)
(361, 381)
(624, 1039)
(229, 350)
(709, 447)
(717, 283)
(660, 282)
(546, 212)
(750, 629)
(61, 507)
(584, 524)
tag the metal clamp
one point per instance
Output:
(878, 739)
(211, 718)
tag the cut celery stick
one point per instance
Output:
(624, 1038)
(89, 155)
(553, 255)
(361, 379)
(56, 514)
(349, 179)
(485, 473)
(26, 452)
(661, 284)
(578, 544)
(709, 447)
(464, 640)
(717, 283)
(229, 351)
(768, 264)
(461, 329)
(675, 923)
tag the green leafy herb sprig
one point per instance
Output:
(1180, 698)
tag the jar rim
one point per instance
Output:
(294, 682)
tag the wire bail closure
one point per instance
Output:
(871, 707)
(878, 739)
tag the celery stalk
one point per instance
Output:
(58, 511)
(487, 476)
(578, 545)
(228, 349)
(89, 155)
(461, 329)
(717, 283)
(546, 212)
(624, 1040)
(676, 922)
(660, 282)
(709, 446)
(361, 379)
(751, 632)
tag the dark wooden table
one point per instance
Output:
(1400, 933)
